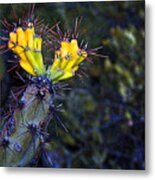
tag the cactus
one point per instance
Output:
(24, 131)
(24, 134)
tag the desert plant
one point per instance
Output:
(32, 106)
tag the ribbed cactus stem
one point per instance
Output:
(19, 147)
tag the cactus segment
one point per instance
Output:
(23, 143)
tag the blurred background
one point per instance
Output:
(105, 110)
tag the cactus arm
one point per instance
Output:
(23, 143)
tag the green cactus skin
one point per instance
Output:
(23, 142)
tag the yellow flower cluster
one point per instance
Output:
(66, 61)
(28, 47)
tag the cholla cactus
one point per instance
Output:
(24, 133)
(28, 45)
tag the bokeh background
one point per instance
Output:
(104, 110)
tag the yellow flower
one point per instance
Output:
(28, 48)
(66, 61)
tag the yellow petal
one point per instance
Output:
(73, 48)
(21, 39)
(31, 58)
(29, 34)
(27, 67)
(39, 61)
(64, 62)
(83, 56)
(57, 61)
(23, 57)
(57, 55)
(11, 45)
(13, 37)
(70, 64)
(18, 50)
(64, 48)
(67, 75)
(25, 64)
(37, 43)
(73, 51)
(75, 68)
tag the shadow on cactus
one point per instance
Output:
(32, 103)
